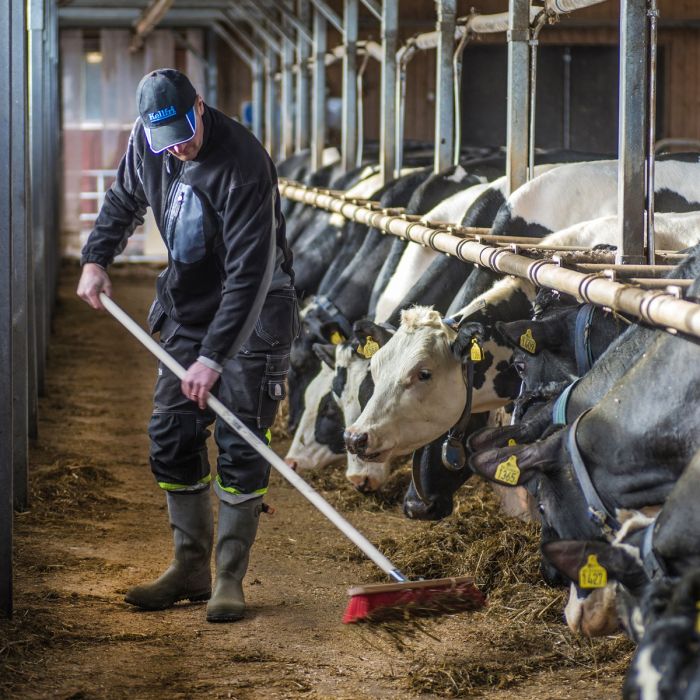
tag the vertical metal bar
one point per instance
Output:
(349, 118)
(302, 93)
(566, 112)
(401, 70)
(533, 109)
(20, 249)
(444, 107)
(318, 110)
(387, 134)
(258, 96)
(6, 453)
(632, 135)
(651, 147)
(271, 137)
(287, 122)
(212, 74)
(518, 92)
(37, 290)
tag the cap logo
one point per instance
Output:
(161, 114)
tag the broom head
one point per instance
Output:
(391, 601)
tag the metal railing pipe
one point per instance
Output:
(444, 81)
(654, 307)
(318, 98)
(303, 116)
(387, 134)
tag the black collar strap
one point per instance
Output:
(454, 453)
(652, 564)
(596, 508)
(334, 314)
(582, 339)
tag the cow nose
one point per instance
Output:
(356, 442)
(292, 463)
(364, 484)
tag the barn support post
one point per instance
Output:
(517, 132)
(212, 70)
(349, 118)
(387, 135)
(444, 107)
(318, 110)
(271, 135)
(632, 122)
(258, 95)
(37, 290)
(7, 9)
(651, 146)
(302, 86)
(18, 169)
(287, 120)
(53, 141)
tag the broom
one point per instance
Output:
(371, 602)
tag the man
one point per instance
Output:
(225, 309)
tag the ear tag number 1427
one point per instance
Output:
(592, 574)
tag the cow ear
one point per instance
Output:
(515, 465)
(570, 557)
(466, 334)
(325, 352)
(530, 336)
(368, 337)
(331, 333)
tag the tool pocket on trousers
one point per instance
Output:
(273, 388)
(156, 317)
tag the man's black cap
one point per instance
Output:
(165, 100)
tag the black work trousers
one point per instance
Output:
(252, 385)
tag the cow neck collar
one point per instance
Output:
(597, 511)
(651, 563)
(454, 453)
(582, 339)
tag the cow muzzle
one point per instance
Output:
(356, 443)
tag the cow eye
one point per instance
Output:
(424, 375)
(540, 507)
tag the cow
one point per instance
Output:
(408, 379)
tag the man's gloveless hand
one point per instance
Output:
(94, 280)
(198, 382)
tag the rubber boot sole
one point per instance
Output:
(196, 598)
(225, 617)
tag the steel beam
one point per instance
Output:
(148, 21)
(374, 7)
(126, 17)
(7, 9)
(271, 106)
(517, 133)
(300, 25)
(212, 75)
(387, 135)
(328, 12)
(245, 13)
(37, 290)
(444, 80)
(303, 117)
(318, 109)
(243, 38)
(349, 116)
(18, 173)
(219, 31)
(258, 95)
(287, 118)
(632, 121)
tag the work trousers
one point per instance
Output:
(252, 385)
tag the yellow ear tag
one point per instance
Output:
(592, 575)
(337, 338)
(370, 347)
(527, 342)
(511, 442)
(508, 472)
(476, 354)
(697, 618)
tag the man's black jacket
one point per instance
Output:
(219, 216)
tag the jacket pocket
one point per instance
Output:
(156, 317)
(278, 323)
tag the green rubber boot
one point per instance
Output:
(189, 574)
(238, 525)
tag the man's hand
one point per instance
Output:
(197, 383)
(93, 281)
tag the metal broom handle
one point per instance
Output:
(356, 537)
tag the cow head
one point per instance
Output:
(318, 440)
(419, 389)
(352, 388)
